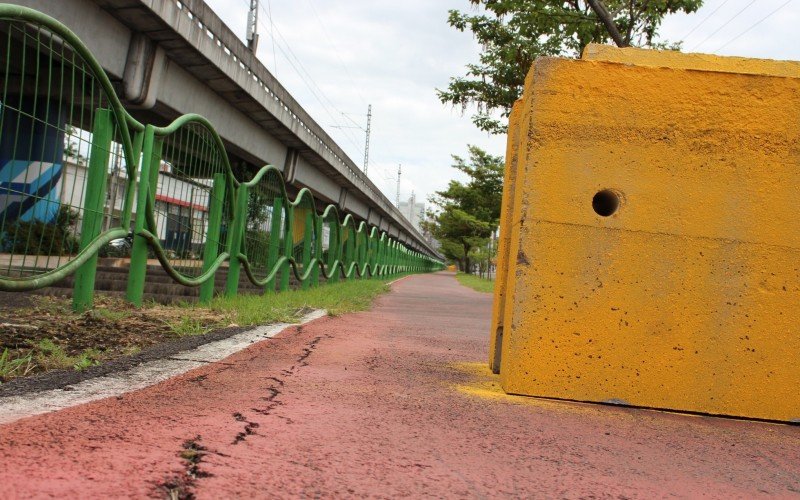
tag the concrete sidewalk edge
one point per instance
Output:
(13, 408)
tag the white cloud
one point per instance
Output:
(394, 55)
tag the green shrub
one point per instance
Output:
(56, 237)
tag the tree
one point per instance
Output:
(513, 33)
(459, 233)
(71, 147)
(468, 212)
(482, 194)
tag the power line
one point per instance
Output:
(366, 144)
(346, 134)
(272, 36)
(307, 78)
(754, 25)
(704, 20)
(311, 84)
(355, 123)
(726, 23)
(336, 51)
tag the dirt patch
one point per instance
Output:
(40, 334)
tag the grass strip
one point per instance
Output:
(476, 282)
(337, 298)
(46, 335)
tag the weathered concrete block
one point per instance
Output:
(652, 238)
(506, 215)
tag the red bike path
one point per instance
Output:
(393, 402)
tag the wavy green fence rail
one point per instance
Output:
(78, 173)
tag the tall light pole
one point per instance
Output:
(252, 26)
(366, 145)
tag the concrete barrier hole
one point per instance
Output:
(606, 202)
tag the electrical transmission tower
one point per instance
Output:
(397, 199)
(252, 26)
(366, 145)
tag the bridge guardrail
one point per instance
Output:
(78, 173)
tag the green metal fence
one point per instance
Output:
(78, 172)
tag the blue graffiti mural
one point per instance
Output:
(31, 153)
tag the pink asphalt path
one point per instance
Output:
(368, 405)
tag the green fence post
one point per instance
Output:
(351, 251)
(130, 189)
(346, 255)
(211, 251)
(369, 256)
(274, 248)
(387, 256)
(308, 234)
(235, 243)
(333, 252)
(94, 206)
(378, 254)
(317, 249)
(148, 181)
(395, 258)
(288, 248)
(376, 249)
(359, 253)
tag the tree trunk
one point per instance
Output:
(600, 9)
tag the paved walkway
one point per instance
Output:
(387, 403)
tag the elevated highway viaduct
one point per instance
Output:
(169, 57)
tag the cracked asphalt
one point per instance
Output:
(392, 402)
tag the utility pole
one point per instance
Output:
(252, 26)
(412, 212)
(366, 145)
(397, 199)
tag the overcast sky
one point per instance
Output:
(337, 56)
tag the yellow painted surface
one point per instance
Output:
(688, 297)
(507, 272)
(509, 185)
(299, 224)
(677, 60)
(484, 385)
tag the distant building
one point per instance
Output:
(413, 211)
(181, 203)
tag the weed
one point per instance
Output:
(131, 350)
(14, 367)
(88, 358)
(60, 336)
(51, 356)
(288, 307)
(188, 326)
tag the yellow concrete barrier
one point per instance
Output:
(652, 234)
(506, 215)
